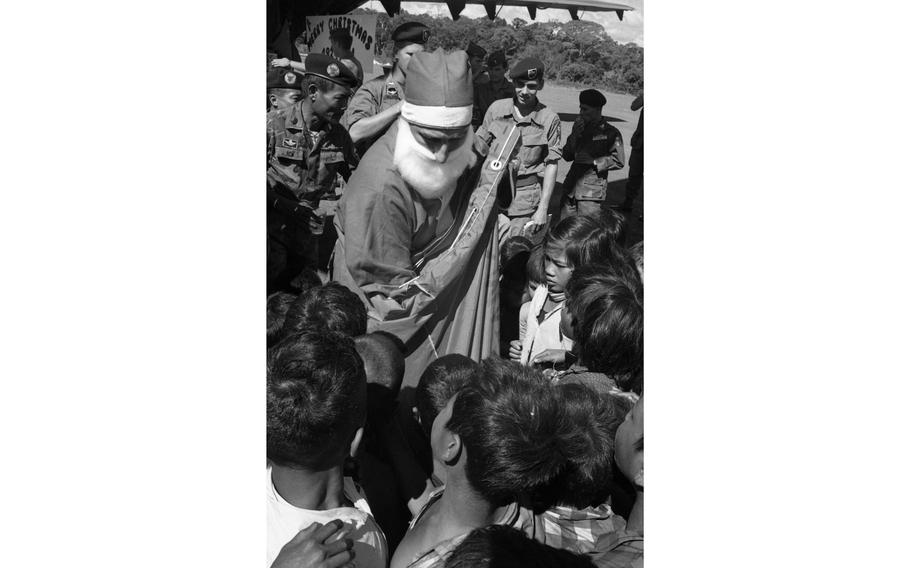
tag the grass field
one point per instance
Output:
(564, 101)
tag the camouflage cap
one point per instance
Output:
(279, 78)
(328, 67)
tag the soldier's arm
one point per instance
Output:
(568, 151)
(370, 126)
(616, 159)
(288, 63)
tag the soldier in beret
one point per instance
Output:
(594, 147)
(341, 48)
(498, 87)
(377, 103)
(533, 172)
(306, 149)
(283, 87)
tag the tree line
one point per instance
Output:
(577, 52)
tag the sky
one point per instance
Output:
(629, 30)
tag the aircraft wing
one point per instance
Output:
(392, 7)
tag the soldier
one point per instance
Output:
(533, 172)
(283, 88)
(498, 87)
(377, 103)
(341, 48)
(594, 147)
(306, 149)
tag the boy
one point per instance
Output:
(604, 315)
(330, 307)
(316, 407)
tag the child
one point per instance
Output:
(503, 440)
(615, 223)
(638, 255)
(439, 382)
(316, 407)
(330, 307)
(513, 281)
(276, 308)
(575, 241)
(537, 274)
(604, 315)
(627, 546)
(498, 546)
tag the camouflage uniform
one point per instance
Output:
(593, 149)
(302, 170)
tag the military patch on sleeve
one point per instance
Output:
(332, 70)
(289, 78)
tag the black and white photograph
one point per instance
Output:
(450, 262)
(455, 284)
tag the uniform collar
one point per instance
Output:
(298, 116)
(531, 117)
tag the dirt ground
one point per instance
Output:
(564, 101)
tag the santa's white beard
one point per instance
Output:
(419, 168)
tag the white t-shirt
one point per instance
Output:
(286, 520)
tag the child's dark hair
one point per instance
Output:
(606, 305)
(512, 429)
(330, 307)
(584, 240)
(637, 252)
(536, 266)
(501, 546)
(439, 382)
(615, 224)
(315, 399)
(586, 480)
(306, 279)
(276, 307)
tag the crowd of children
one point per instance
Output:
(532, 458)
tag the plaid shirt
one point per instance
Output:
(595, 531)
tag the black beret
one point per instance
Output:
(530, 69)
(592, 98)
(340, 32)
(283, 79)
(475, 50)
(328, 67)
(497, 58)
(413, 32)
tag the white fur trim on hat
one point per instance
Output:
(437, 116)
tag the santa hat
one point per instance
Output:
(438, 92)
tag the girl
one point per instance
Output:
(575, 241)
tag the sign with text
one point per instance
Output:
(363, 32)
